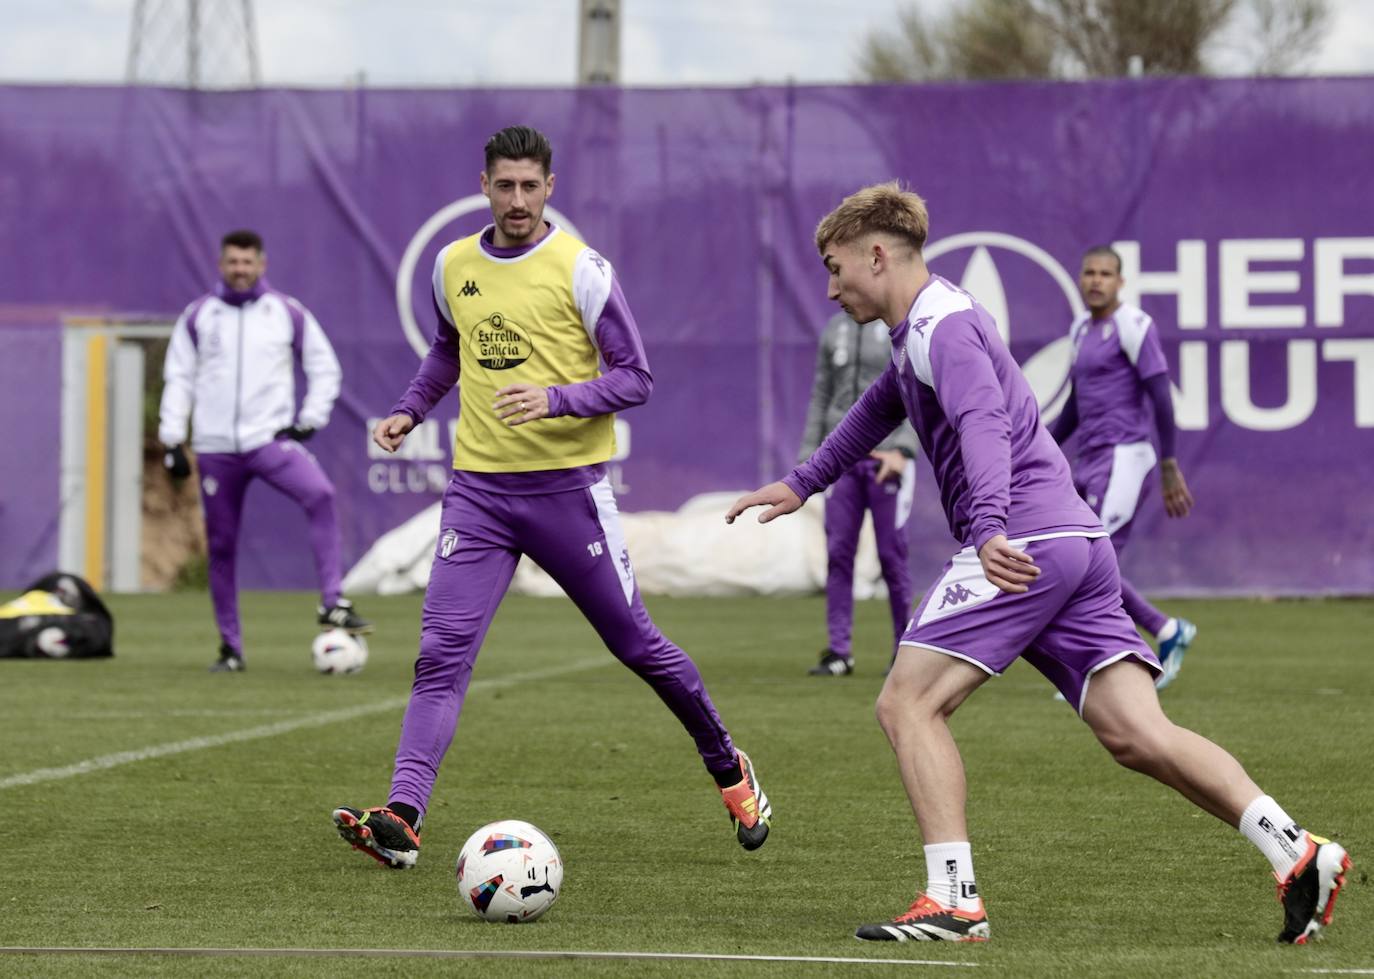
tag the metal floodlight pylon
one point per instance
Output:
(193, 44)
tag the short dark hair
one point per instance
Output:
(242, 238)
(1104, 251)
(520, 143)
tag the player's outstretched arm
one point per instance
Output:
(1178, 501)
(391, 431)
(778, 497)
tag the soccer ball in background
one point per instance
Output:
(509, 871)
(336, 651)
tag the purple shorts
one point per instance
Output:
(1114, 481)
(1068, 625)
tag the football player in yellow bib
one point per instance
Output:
(533, 329)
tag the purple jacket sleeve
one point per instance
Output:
(877, 412)
(971, 396)
(626, 382)
(1157, 387)
(437, 375)
(1067, 422)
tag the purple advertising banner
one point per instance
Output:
(1241, 208)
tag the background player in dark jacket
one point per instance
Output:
(849, 359)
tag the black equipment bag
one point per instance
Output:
(59, 616)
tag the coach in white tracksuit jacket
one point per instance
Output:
(230, 375)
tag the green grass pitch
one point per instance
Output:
(1087, 870)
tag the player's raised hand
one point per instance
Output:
(1177, 500)
(391, 432)
(778, 497)
(520, 403)
(1006, 567)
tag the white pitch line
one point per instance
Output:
(138, 715)
(426, 953)
(1337, 972)
(103, 762)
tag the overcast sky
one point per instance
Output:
(529, 42)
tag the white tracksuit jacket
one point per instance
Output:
(230, 372)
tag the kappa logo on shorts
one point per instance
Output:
(448, 542)
(956, 595)
(209, 486)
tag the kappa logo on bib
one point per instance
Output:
(500, 344)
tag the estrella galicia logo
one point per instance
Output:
(956, 595)
(470, 288)
(500, 344)
(448, 542)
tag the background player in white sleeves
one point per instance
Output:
(229, 384)
(1119, 375)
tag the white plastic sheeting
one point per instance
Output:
(687, 552)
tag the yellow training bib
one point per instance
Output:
(518, 321)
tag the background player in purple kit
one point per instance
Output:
(524, 313)
(1036, 577)
(1119, 366)
(229, 376)
(849, 359)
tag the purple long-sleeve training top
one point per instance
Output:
(998, 469)
(1118, 364)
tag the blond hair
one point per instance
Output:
(884, 208)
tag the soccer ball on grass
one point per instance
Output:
(336, 652)
(509, 871)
